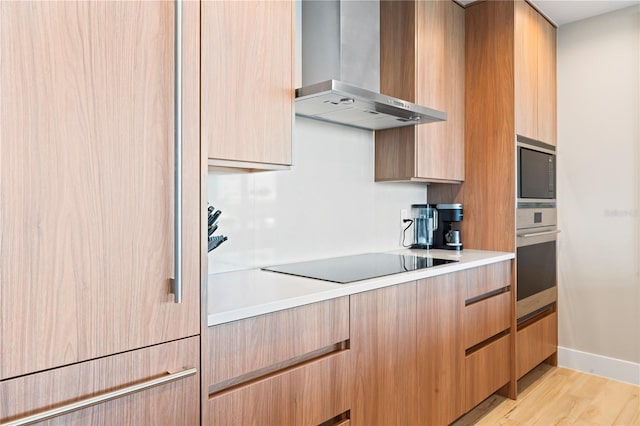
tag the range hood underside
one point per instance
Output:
(341, 103)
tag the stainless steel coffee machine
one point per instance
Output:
(448, 234)
(425, 222)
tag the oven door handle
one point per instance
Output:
(539, 234)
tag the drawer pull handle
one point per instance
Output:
(537, 234)
(176, 282)
(99, 399)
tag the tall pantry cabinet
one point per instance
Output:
(510, 89)
(87, 210)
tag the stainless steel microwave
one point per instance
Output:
(536, 165)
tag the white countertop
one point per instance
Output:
(244, 294)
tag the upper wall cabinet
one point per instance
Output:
(248, 82)
(422, 61)
(535, 74)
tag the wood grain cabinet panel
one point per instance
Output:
(409, 348)
(487, 318)
(547, 82)
(526, 69)
(441, 355)
(241, 347)
(383, 356)
(427, 69)
(535, 343)
(286, 367)
(486, 279)
(487, 332)
(535, 74)
(486, 371)
(86, 172)
(308, 394)
(173, 403)
(505, 94)
(248, 80)
(488, 191)
(502, 99)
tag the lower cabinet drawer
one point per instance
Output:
(535, 343)
(486, 371)
(487, 278)
(241, 347)
(308, 394)
(487, 318)
(174, 402)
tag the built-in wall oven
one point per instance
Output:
(537, 231)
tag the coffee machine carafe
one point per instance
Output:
(425, 222)
(448, 235)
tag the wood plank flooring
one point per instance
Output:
(558, 396)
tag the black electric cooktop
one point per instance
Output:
(348, 269)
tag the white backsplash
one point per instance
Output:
(326, 205)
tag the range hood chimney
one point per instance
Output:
(341, 69)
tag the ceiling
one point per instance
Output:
(564, 11)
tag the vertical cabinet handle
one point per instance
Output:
(176, 282)
(100, 399)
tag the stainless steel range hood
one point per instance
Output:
(342, 103)
(341, 69)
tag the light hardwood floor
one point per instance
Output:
(558, 396)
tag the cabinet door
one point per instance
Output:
(86, 172)
(486, 371)
(248, 80)
(427, 70)
(172, 403)
(383, 356)
(547, 110)
(284, 368)
(243, 347)
(535, 343)
(526, 69)
(440, 85)
(307, 394)
(441, 356)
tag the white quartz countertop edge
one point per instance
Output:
(244, 294)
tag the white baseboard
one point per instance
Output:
(611, 368)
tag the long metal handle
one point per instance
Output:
(538, 234)
(85, 403)
(176, 282)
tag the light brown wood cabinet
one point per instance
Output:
(488, 330)
(248, 82)
(535, 74)
(384, 356)
(307, 394)
(411, 359)
(86, 177)
(287, 367)
(487, 370)
(422, 60)
(536, 341)
(172, 403)
(547, 82)
(487, 318)
(441, 356)
(510, 89)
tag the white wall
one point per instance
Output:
(326, 205)
(599, 185)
